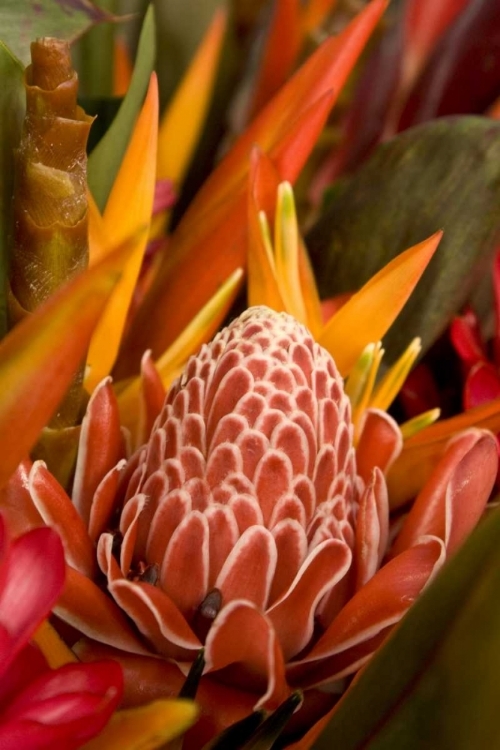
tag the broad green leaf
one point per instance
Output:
(94, 52)
(105, 159)
(12, 108)
(23, 21)
(442, 175)
(434, 685)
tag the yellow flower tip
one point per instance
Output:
(392, 383)
(147, 727)
(286, 248)
(286, 202)
(415, 425)
(52, 646)
(357, 376)
(363, 373)
(265, 231)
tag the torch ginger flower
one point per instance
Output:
(249, 524)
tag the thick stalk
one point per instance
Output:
(50, 204)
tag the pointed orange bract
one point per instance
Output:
(182, 123)
(209, 243)
(40, 356)
(263, 286)
(268, 280)
(326, 70)
(282, 46)
(127, 214)
(377, 304)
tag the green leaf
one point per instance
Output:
(441, 175)
(25, 20)
(434, 685)
(105, 159)
(12, 108)
(94, 57)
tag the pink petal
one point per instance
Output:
(291, 440)
(242, 636)
(253, 446)
(58, 512)
(152, 397)
(273, 478)
(100, 447)
(246, 511)
(291, 546)
(223, 460)
(103, 502)
(32, 577)
(129, 520)
(83, 605)
(372, 529)
(325, 472)
(156, 451)
(168, 516)
(16, 503)
(223, 536)
(184, 571)
(288, 507)
(371, 611)
(482, 385)
(233, 386)
(379, 444)
(454, 497)
(293, 615)
(249, 569)
(27, 666)
(469, 489)
(63, 708)
(153, 612)
(466, 338)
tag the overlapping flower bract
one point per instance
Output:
(246, 526)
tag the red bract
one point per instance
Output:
(41, 707)
(480, 359)
(249, 524)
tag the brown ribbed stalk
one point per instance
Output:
(50, 205)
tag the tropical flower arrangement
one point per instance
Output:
(249, 374)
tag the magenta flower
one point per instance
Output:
(41, 707)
